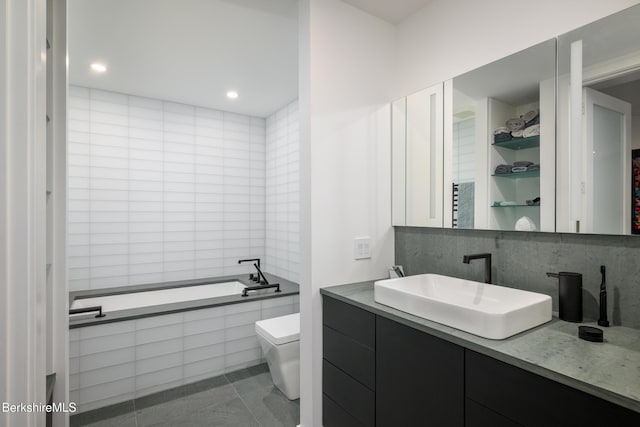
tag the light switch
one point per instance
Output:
(362, 247)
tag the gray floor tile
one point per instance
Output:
(250, 379)
(182, 392)
(121, 414)
(128, 420)
(242, 398)
(233, 413)
(180, 409)
(272, 408)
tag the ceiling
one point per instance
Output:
(393, 11)
(189, 51)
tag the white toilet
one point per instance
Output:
(280, 341)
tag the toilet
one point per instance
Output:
(280, 341)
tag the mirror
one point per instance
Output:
(500, 144)
(598, 183)
(417, 152)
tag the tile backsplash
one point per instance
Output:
(520, 260)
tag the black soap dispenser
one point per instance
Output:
(570, 292)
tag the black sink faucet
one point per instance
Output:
(487, 264)
(256, 277)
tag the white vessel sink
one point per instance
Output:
(490, 311)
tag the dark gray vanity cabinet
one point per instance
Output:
(528, 399)
(379, 372)
(419, 378)
(348, 368)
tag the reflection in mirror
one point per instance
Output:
(500, 143)
(599, 81)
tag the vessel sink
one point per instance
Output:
(489, 311)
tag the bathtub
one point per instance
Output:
(132, 300)
(156, 337)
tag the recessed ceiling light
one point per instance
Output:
(232, 94)
(98, 68)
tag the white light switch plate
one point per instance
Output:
(362, 248)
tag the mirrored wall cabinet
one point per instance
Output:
(528, 142)
(598, 185)
(417, 140)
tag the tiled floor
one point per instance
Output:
(241, 398)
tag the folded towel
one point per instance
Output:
(531, 131)
(533, 168)
(534, 121)
(515, 124)
(522, 163)
(502, 137)
(501, 130)
(518, 169)
(530, 115)
(503, 169)
(517, 133)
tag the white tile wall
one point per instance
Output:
(119, 361)
(283, 193)
(160, 191)
(464, 150)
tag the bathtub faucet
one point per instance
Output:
(252, 276)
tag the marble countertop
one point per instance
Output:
(609, 370)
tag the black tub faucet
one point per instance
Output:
(487, 264)
(254, 277)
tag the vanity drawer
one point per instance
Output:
(533, 400)
(476, 415)
(354, 398)
(350, 356)
(354, 322)
(334, 416)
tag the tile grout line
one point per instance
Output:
(243, 402)
(135, 411)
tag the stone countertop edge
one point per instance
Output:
(287, 288)
(552, 350)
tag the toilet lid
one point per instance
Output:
(280, 330)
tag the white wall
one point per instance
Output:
(345, 165)
(450, 37)
(22, 208)
(160, 191)
(282, 244)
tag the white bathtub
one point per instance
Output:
(125, 359)
(128, 301)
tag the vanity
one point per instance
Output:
(535, 143)
(385, 367)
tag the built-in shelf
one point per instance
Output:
(519, 143)
(516, 175)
